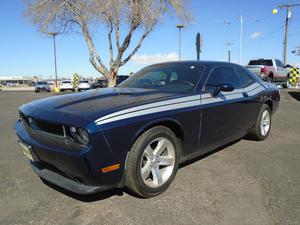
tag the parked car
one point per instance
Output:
(137, 134)
(271, 70)
(84, 85)
(42, 86)
(121, 78)
(103, 83)
(66, 85)
(99, 84)
(11, 85)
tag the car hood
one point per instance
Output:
(88, 106)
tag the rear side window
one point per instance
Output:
(245, 78)
(261, 62)
(222, 75)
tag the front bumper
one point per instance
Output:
(77, 171)
(66, 183)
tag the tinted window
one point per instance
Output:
(41, 83)
(262, 62)
(84, 81)
(66, 82)
(245, 78)
(222, 75)
(172, 77)
(121, 79)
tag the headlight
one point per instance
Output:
(80, 135)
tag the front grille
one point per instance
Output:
(40, 125)
(49, 134)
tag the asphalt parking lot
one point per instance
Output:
(245, 183)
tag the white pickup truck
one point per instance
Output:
(271, 70)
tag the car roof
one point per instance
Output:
(203, 63)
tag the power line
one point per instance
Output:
(268, 35)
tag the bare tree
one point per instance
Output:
(127, 16)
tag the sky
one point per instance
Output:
(26, 52)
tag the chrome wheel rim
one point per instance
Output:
(157, 163)
(265, 123)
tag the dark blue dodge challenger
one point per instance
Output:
(136, 134)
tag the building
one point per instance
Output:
(18, 80)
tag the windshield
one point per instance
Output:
(41, 83)
(66, 82)
(171, 77)
(84, 82)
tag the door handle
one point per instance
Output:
(245, 94)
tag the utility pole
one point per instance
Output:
(53, 34)
(229, 51)
(179, 26)
(288, 8)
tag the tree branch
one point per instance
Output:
(117, 30)
(111, 52)
(137, 46)
(88, 38)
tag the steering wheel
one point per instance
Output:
(182, 82)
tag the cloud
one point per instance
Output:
(156, 58)
(255, 35)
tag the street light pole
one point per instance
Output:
(53, 34)
(179, 26)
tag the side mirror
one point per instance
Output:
(225, 87)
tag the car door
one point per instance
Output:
(252, 100)
(282, 72)
(223, 114)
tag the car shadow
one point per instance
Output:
(295, 95)
(196, 159)
(89, 197)
(120, 191)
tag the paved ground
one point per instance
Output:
(20, 88)
(245, 183)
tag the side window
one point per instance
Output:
(245, 78)
(222, 75)
(279, 63)
(230, 76)
(214, 79)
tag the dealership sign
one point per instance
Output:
(297, 50)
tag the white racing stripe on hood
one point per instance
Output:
(178, 103)
(152, 110)
(151, 105)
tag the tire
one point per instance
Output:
(285, 84)
(146, 155)
(260, 132)
(269, 78)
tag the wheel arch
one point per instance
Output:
(269, 103)
(271, 74)
(172, 124)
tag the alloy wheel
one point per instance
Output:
(157, 163)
